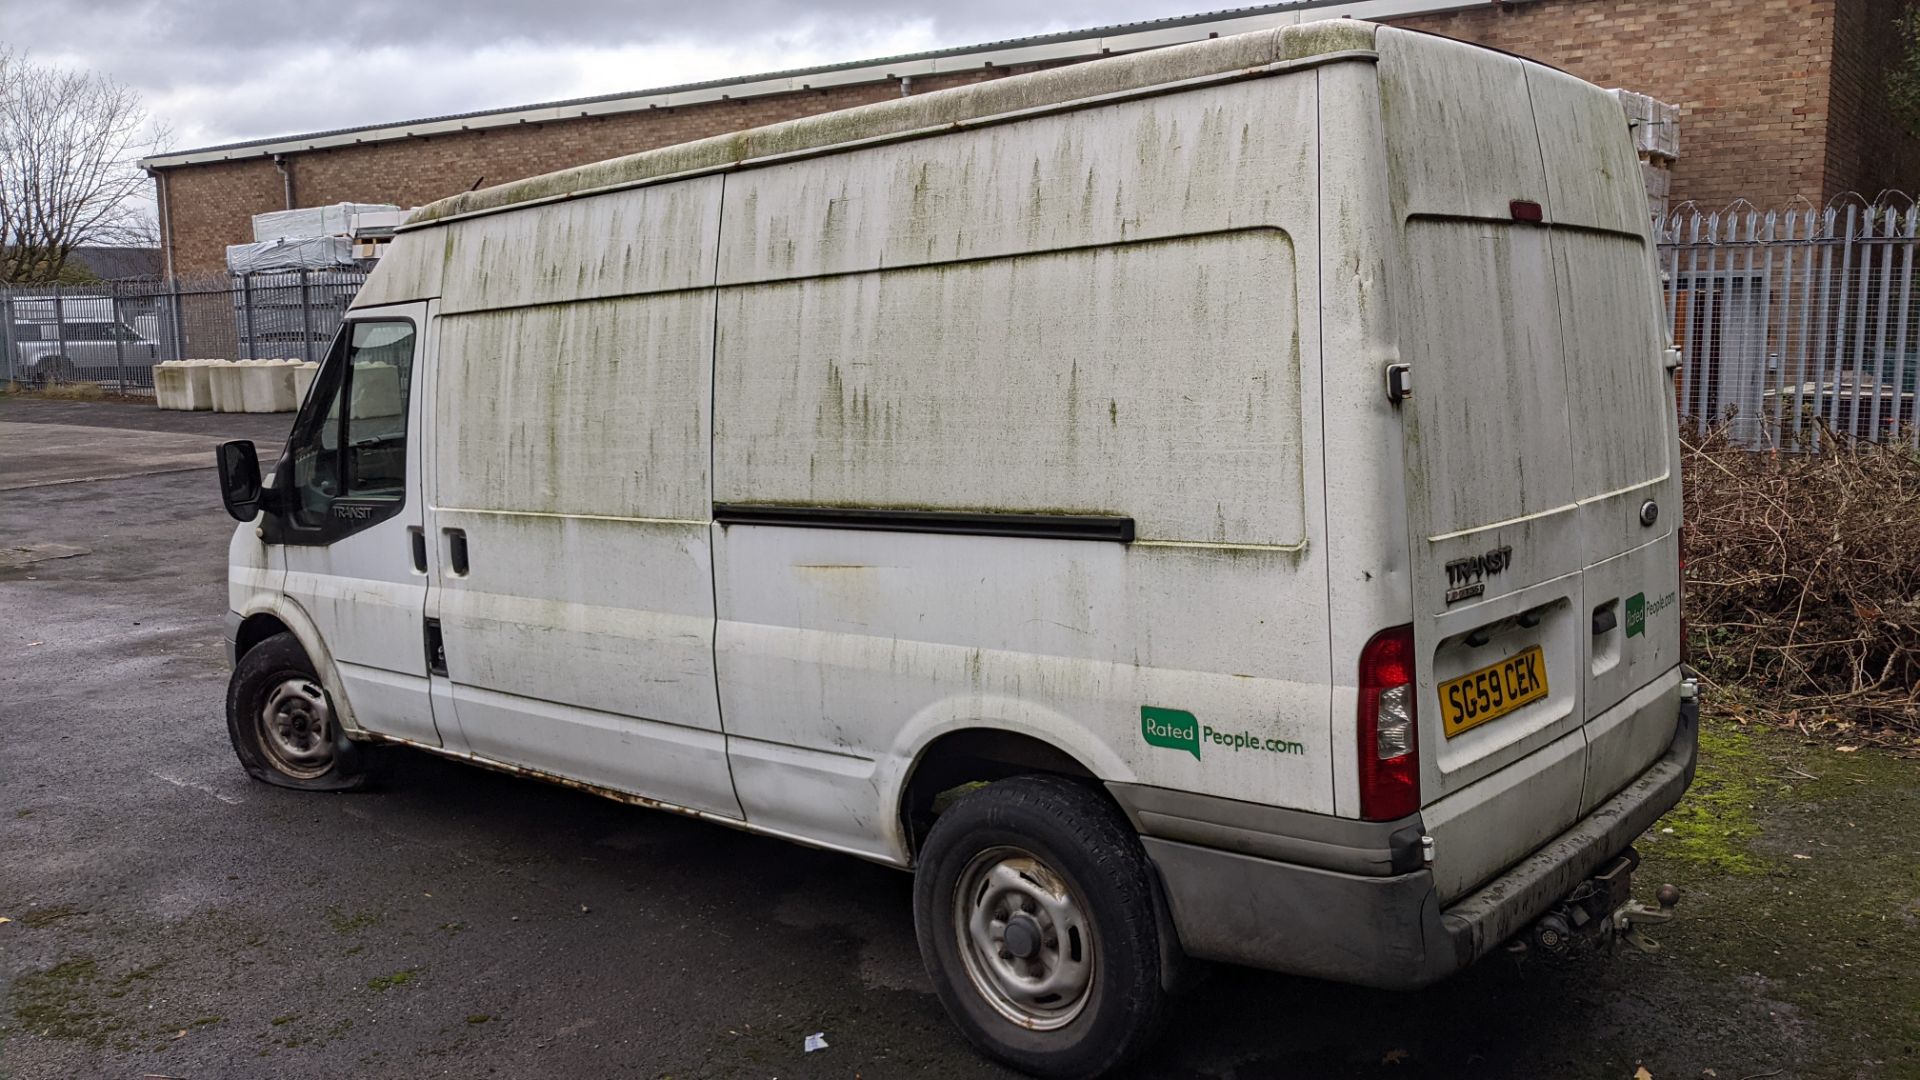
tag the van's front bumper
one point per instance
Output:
(1345, 900)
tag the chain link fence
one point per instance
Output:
(1791, 321)
(113, 334)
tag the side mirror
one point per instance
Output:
(240, 485)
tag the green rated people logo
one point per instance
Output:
(1174, 729)
(1639, 610)
(1178, 729)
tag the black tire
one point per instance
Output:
(311, 753)
(1074, 832)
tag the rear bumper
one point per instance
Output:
(1365, 915)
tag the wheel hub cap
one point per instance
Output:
(296, 728)
(1025, 938)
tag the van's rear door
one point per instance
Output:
(1536, 430)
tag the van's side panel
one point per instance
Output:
(572, 432)
(1099, 313)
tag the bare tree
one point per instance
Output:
(70, 142)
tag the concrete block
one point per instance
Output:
(223, 379)
(170, 385)
(266, 386)
(303, 377)
(199, 384)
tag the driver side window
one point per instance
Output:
(351, 439)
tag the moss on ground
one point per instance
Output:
(1714, 828)
(62, 1003)
(380, 984)
(1801, 866)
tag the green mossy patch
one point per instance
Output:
(62, 1002)
(1713, 828)
(380, 984)
(1801, 871)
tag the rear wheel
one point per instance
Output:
(281, 721)
(1034, 908)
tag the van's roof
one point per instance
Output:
(998, 97)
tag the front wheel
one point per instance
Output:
(1033, 904)
(281, 721)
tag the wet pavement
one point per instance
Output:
(169, 916)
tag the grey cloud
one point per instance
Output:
(165, 28)
(253, 68)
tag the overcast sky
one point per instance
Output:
(222, 71)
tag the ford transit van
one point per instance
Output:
(1215, 504)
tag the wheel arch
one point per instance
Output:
(255, 629)
(974, 754)
(281, 614)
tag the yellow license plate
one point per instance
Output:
(1493, 691)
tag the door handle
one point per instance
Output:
(456, 551)
(418, 538)
(1604, 619)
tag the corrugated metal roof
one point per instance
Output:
(780, 81)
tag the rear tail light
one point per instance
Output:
(1389, 737)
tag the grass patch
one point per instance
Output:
(60, 1003)
(344, 923)
(74, 391)
(380, 984)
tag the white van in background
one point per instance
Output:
(1212, 503)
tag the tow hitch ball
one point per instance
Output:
(1599, 910)
(1632, 915)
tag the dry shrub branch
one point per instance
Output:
(1803, 575)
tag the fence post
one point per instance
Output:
(173, 318)
(119, 340)
(306, 320)
(59, 329)
(6, 333)
(246, 298)
(1906, 370)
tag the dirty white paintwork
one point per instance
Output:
(1095, 312)
(1543, 420)
(362, 598)
(1163, 286)
(1033, 382)
(571, 443)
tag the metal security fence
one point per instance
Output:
(113, 334)
(1789, 321)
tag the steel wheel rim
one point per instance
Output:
(1025, 938)
(296, 728)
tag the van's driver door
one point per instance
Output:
(350, 516)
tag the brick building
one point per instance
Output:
(1778, 99)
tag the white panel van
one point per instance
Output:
(1217, 503)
